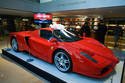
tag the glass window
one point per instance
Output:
(45, 34)
(66, 36)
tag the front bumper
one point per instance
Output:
(95, 70)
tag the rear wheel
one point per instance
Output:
(14, 44)
(62, 61)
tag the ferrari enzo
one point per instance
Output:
(67, 51)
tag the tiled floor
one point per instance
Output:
(12, 73)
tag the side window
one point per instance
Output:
(45, 34)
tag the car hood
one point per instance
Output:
(92, 46)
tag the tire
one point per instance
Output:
(62, 61)
(14, 44)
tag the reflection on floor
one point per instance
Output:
(11, 73)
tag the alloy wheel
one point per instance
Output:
(62, 61)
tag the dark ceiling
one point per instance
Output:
(4, 11)
(105, 12)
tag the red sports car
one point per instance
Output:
(67, 51)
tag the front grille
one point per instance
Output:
(106, 69)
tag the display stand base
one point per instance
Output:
(51, 73)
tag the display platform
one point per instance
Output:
(52, 74)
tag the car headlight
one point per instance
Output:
(88, 57)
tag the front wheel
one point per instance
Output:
(14, 44)
(62, 61)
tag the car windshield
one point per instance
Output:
(65, 36)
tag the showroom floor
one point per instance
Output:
(12, 73)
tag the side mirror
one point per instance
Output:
(53, 40)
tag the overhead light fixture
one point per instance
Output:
(24, 19)
(101, 17)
